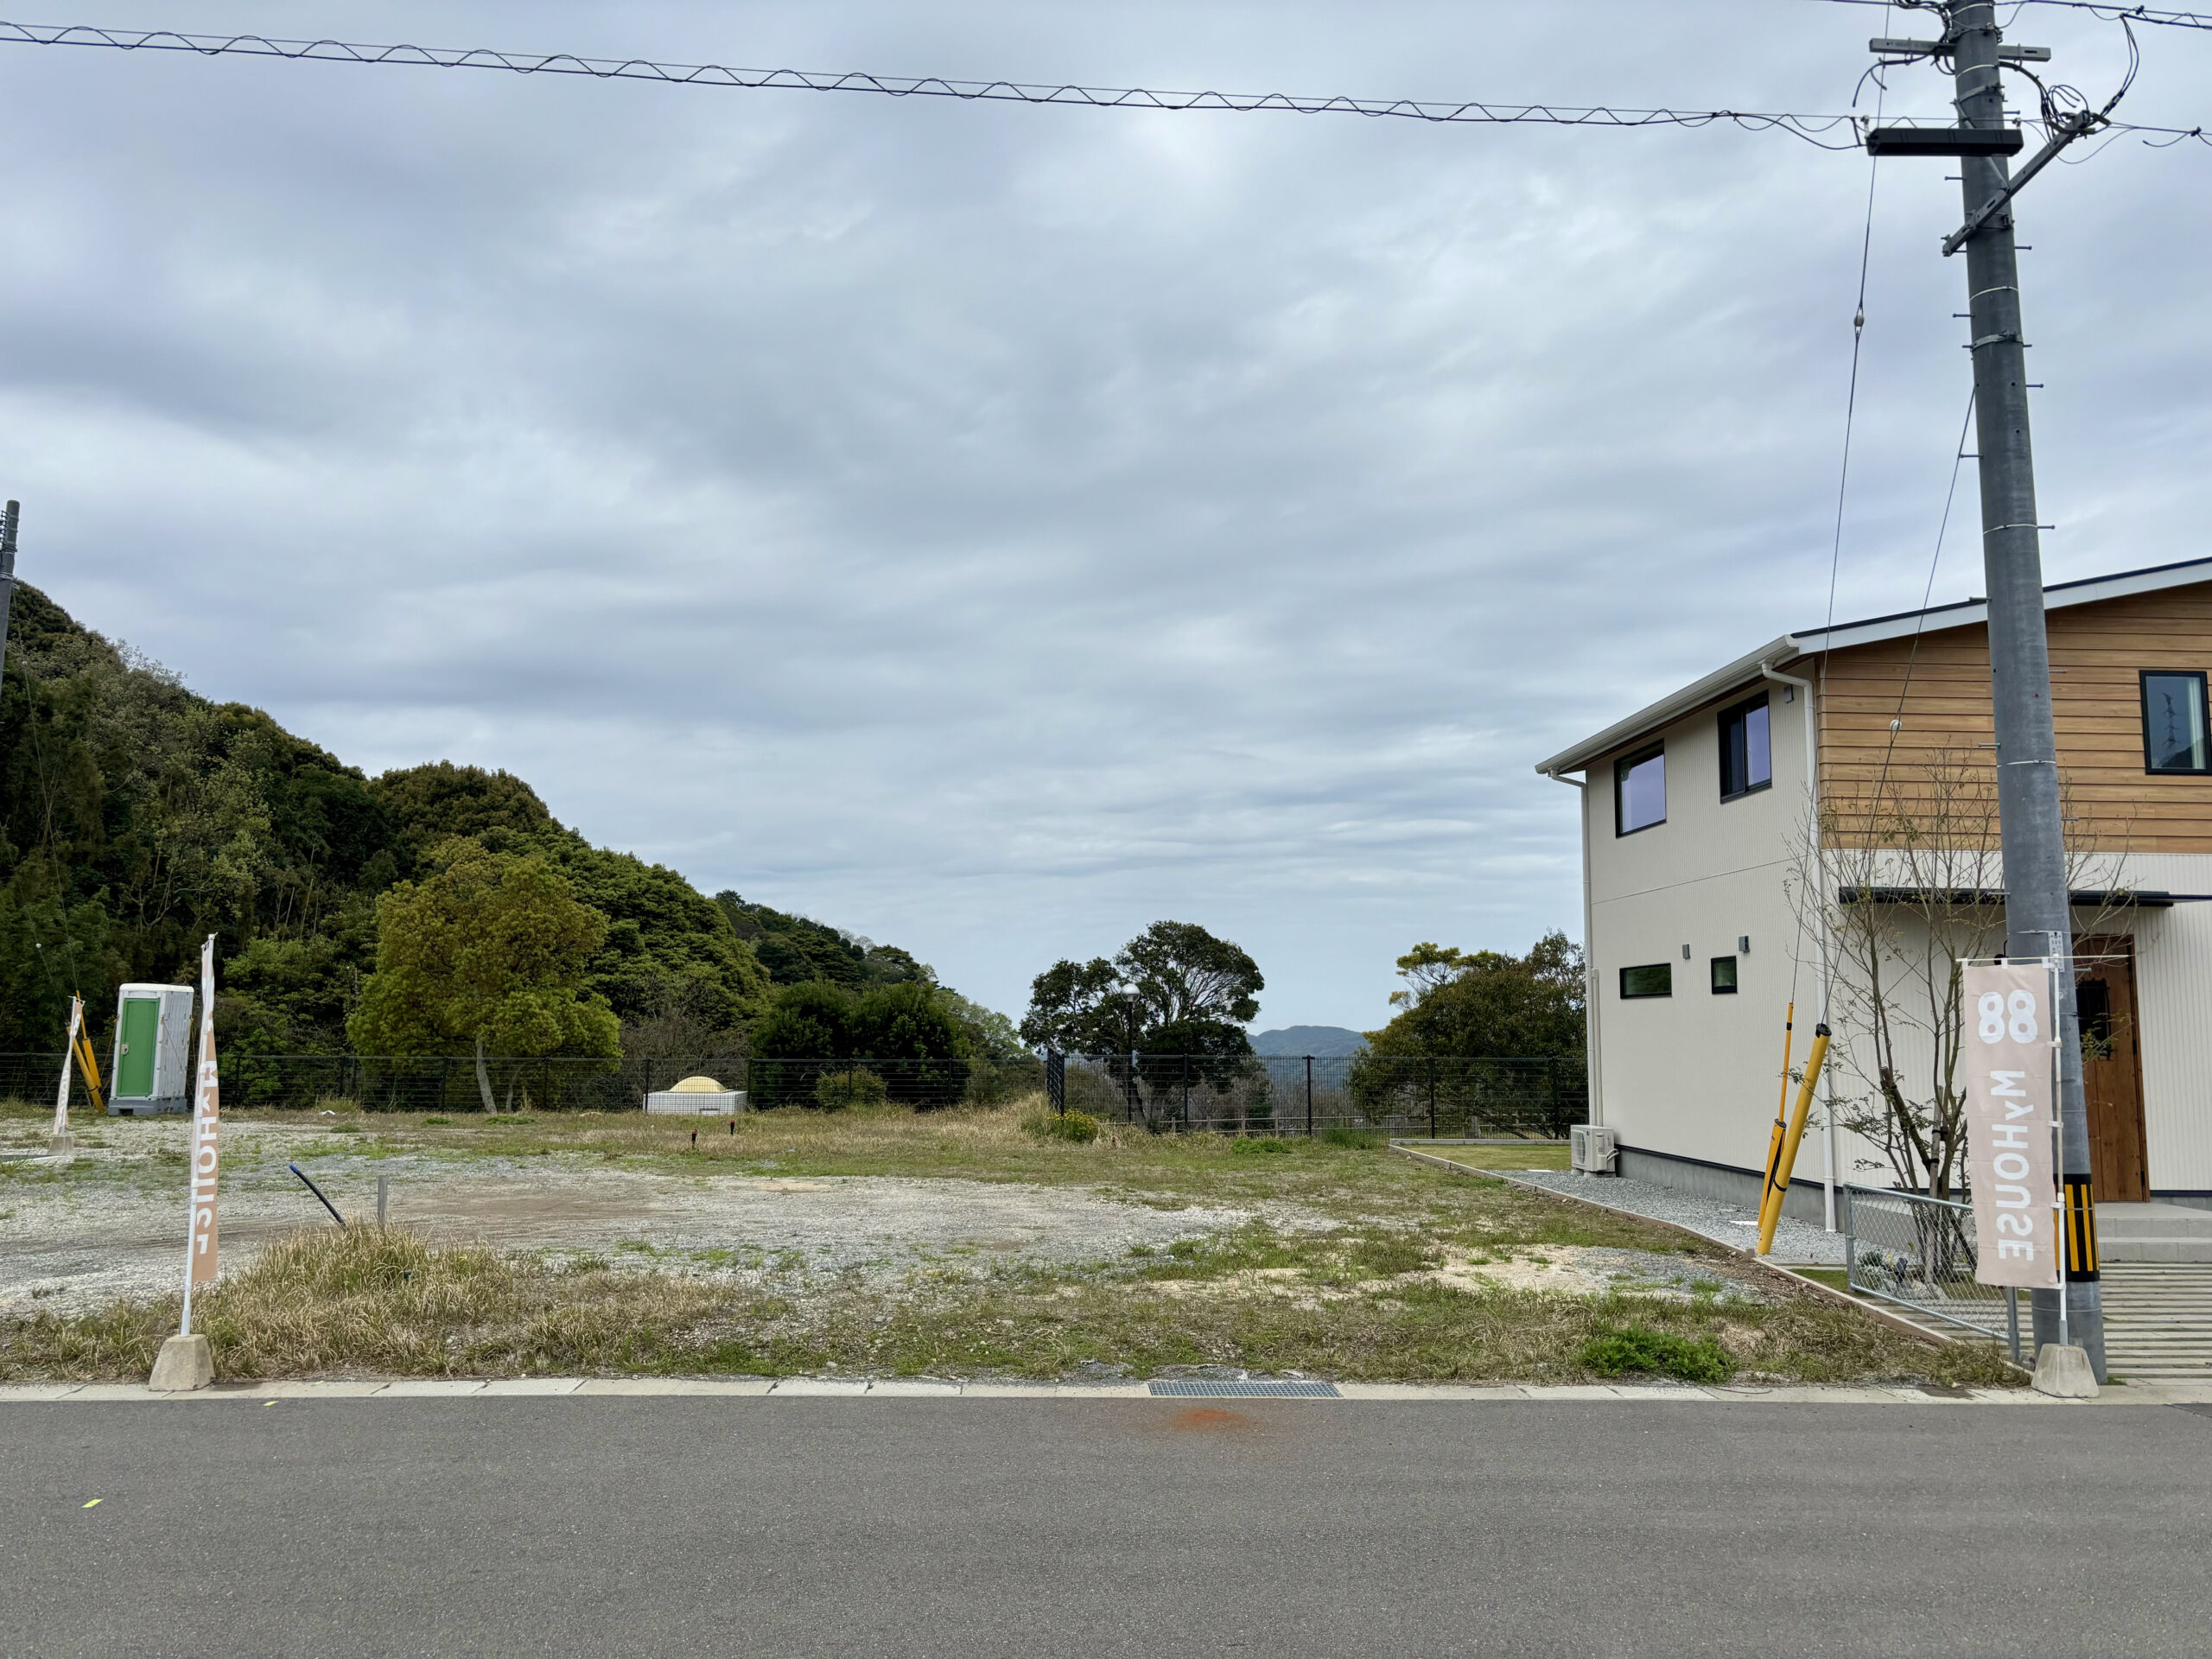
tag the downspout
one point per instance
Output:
(1819, 910)
(1590, 1049)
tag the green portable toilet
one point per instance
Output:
(151, 1071)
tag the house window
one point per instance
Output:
(1724, 975)
(2173, 723)
(1657, 980)
(1746, 756)
(1640, 791)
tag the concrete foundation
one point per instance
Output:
(2064, 1373)
(183, 1365)
(1806, 1200)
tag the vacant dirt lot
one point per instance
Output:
(109, 1222)
(871, 1240)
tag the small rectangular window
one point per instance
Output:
(1724, 975)
(1640, 791)
(2173, 723)
(1747, 751)
(1657, 980)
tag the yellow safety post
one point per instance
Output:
(1778, 1182)
(1781, 1108)
(91, 1068)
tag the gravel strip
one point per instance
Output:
(1795, 1242)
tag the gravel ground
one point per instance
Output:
(111, 1223)
(1798, 1242)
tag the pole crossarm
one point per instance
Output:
(2018, 181)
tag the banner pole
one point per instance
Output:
(60, 1133)
(2058, 1159)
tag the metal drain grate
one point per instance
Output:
(1247, 1390)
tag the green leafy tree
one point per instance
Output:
(1487, 1004)
(1175, 996)
(904, 1032)
(137, 818)
(490, 951)
(1460, 1006)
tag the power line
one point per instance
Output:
(1832, 132)
(1838, 132)
(2100, 9)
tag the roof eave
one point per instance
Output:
(1668, 709)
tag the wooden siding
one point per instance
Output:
(2096, 653)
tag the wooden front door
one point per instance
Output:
(2112, 1068)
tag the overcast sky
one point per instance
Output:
(994, 529)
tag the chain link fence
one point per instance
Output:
(1536, 1099)
(1919, 1253)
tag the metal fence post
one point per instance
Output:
(1850, 1245)
(1309, 1096)
(2012, 1321)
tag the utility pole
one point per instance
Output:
(2038, 916)
(8, 521)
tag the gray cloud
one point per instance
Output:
(994, 529)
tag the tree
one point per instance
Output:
(903, 1031)
(1487, 1004)
(1461, 1006)
(1175, 996)
(490, 951)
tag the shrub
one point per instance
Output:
(1656, 1353)
(1252, 1145)
(1079, 1127)
(834, 1090)
(1344, 1135)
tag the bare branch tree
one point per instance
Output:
(1910, 889)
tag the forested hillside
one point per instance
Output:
(136, 818)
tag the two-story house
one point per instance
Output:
(1729, 830)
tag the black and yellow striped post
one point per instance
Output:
(2081, 1229)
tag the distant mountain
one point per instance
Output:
(1320, 1042)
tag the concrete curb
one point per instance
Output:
(826, 1388)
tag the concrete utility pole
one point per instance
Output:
(8, 521)
(2038, 916)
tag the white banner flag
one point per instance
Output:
(2006, 1057)
(205, 1154)
(68, 1057)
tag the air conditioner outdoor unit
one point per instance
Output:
(1596, 1150)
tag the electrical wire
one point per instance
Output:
(1835, 132)
(1927, 597)
(2099, 9)
(1843, 489)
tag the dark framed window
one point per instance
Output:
(2174, 723)
(1746, 749)
(1724, 975)
(1640, 790)
(1657, 980)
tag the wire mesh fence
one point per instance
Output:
(1919, 1253)
(562, 1083)
(1537, 1099)
(1292, 1094)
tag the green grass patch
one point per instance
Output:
(1079, 1129)
(1635, 1351)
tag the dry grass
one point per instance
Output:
(1362, 1300)
(369, 1299)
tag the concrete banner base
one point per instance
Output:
(2064, 1373)
(183, 1365)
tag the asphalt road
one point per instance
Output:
(679, 1526)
